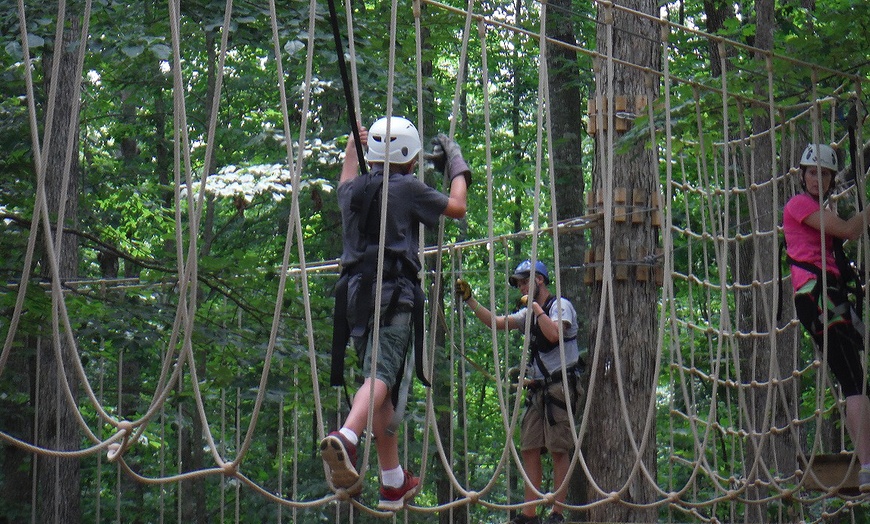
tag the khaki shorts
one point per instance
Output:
(536, 431)
(395, 342)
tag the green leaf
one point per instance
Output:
(161, 51)
(293, 46)
(34, 41)
(14, 50)
(133, 51)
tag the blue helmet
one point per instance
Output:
(524, 270)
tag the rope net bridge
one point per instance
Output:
(742, 415)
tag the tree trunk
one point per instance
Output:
(566, 127)
(58, 478)
(763, 361)
(625, 358)
(717, 12)
(194, 507)
(17, 416)
(518, 66)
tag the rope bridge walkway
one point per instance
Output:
(732, 380)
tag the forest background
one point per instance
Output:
(120, 239)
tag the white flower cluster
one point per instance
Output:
(249, 181)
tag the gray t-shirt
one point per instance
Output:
(552, 359)
(410, 204)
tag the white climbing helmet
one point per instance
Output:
(404, 141)
(820, 155)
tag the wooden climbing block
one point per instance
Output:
(656, 217)
(599, 268)
(588, 273)
(621, 268)
(659, 268)
(620, 104)
(640, 104)
(619, 198)
(640, 202)
(642, 271)
(590, 119)
(829, 471)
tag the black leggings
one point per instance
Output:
(845, 343)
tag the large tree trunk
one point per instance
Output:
(58, 478)
(566, 127)
(764, 361)
(625, 357)
(17, 416)
(717, 11)
(518, 66)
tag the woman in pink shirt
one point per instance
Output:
(810, 233)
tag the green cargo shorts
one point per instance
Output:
(394, 343)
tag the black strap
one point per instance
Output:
(539, 343)
(364, 308)
(340, 332)
(365, 193)
(348, 96)
(549, 401)
(417, 319)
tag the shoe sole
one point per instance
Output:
(341, 473)
(396, 505)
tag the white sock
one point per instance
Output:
(349, 435)
(394, 478)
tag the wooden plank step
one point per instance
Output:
(830, 471)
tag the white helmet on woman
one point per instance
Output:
(404, 140)
(820, 155)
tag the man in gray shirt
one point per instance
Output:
(546, 425)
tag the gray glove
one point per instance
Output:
(437, 156)
(447, 157)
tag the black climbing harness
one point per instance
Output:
(365, 201)
(847, 287)
(538, 344)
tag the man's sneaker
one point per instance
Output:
(393, 499)
(524, 519)
(339, 455)
(555, 518)
(864, 479)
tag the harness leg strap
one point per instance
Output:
(340, 333)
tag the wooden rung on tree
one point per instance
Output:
(591, 205)
(588, 274)
(656, 212)
(827, 472)
(621, 268)
(626, 109)
(640, 201)
(619, 210)
(659, 269)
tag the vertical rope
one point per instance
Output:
(120, 386)
(36, 414)
(179, 486)
(223, 449)
(279, 454)
(99, 481)
(295, 480)
(238, 441)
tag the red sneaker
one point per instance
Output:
(339, 457)
(393, 499)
